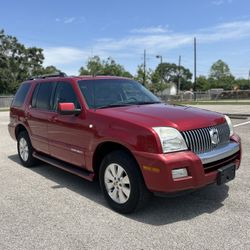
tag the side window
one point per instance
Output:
(65, 93)
(34, 96)
(21, 94)
(43, 96)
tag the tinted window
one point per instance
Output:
(21, 94)
(34, 96)
(110, 92)
(87, 89)
(44, 95)
(65, 93)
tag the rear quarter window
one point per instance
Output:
(21, 95)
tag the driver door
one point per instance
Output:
(66, 137)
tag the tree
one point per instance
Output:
(202, 83)
(219, 70)
(170, 73)
(110, 67)
(83, 71)
(157, 85)
(242, 84)
(47, 70)
(18, 63)
(220, 76)
(140, 75)
(93, 67)
(11, 54)
(106, 67)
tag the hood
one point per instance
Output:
(156, 115)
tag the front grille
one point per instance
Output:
(200, 141)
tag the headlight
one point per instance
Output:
(230, 125)
(171, 139)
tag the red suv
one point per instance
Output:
(115, 129)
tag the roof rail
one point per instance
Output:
(56, 74)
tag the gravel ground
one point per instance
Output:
(46, 208)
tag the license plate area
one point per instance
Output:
(225, 174)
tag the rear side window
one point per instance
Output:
(21, 94)
(42, 96)
(34, 96)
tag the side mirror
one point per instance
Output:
(68, 108)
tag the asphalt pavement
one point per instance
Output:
(46, 208)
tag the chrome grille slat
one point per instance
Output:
(202, 142)
(191, 140)
(195, 140)
(207, 135)
(199, 140)
(186, 140)
(203, 131)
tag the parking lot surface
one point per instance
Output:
(46, 208)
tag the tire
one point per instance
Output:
(25, 150)
(122, 183)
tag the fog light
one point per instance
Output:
(179, 173)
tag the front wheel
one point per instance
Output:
(122, 183)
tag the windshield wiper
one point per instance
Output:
(144, 103)
(115, 105)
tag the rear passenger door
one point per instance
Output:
(40, 114)
(65, 132)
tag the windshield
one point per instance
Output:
(105, 93)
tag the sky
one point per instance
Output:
(70, 32)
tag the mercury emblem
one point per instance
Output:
(214, 134)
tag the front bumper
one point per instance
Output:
(202, 169)
(220, 153)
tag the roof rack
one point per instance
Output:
(56, 74)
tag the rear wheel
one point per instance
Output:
(25, 149)
(122, 183)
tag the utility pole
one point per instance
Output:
(179, 76)
(144, 68)
(194, 89)
(159, 56)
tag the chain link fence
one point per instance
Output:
(209, 96)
